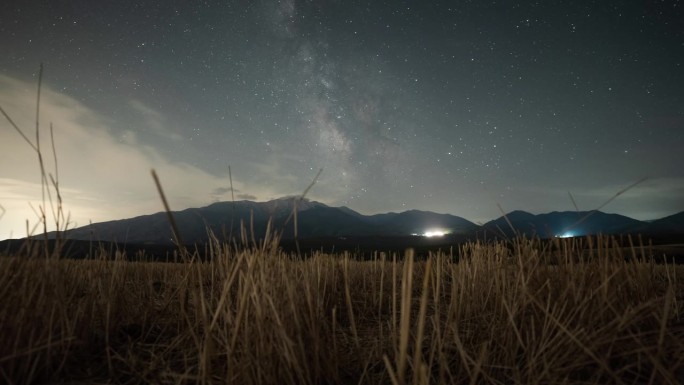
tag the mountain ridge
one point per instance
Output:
(315, 220)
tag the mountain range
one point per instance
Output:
(317, 220)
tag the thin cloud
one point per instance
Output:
(104, 172)
(154, 121)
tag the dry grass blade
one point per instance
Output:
(174, 228)
(510, 224)
(592, 212)
(17, 129)
(294, 210)
(48, 181)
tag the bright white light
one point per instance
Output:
(434, 233)
(565, 235)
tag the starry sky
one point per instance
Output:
(450, 106)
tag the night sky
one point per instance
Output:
(454, 107)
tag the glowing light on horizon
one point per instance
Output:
(434, 233)
(566, 235)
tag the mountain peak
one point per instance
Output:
(288, 202)
(518, 215)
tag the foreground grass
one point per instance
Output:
(520, 313)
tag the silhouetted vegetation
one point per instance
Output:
(527, 314)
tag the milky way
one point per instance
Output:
(454, 107)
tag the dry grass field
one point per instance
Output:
(520, 312)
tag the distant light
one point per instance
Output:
(434, 233)
(565, 235)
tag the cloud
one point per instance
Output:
(221, 191)
(104, 171)
(154, 121)
(248, 197)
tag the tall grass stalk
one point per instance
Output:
(49, 186)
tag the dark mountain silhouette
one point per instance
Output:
(417, 222)
(317, 220)
(673, 224)
(222, 218)
(314, 220)
(567, 223)
(331, 222)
